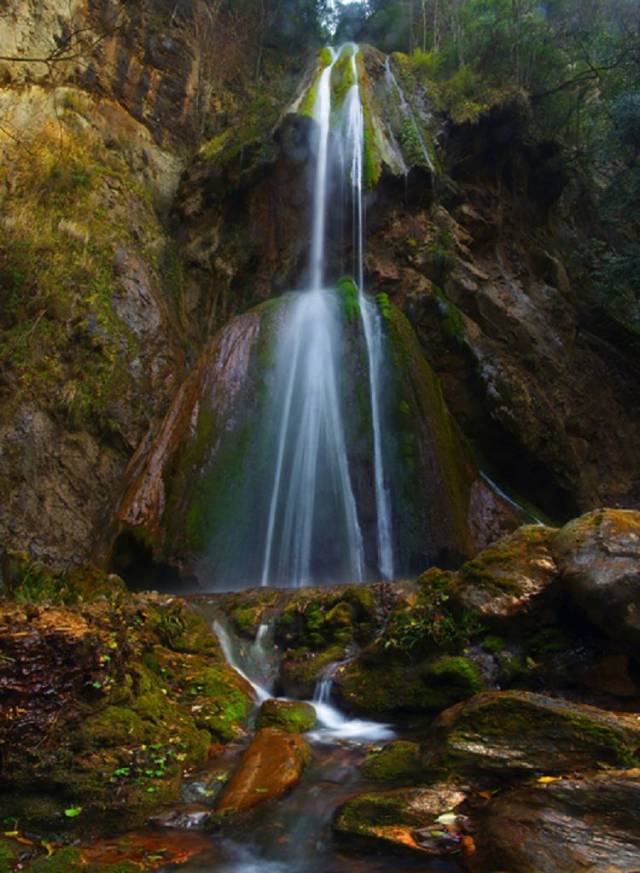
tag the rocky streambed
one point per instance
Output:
(484, 719)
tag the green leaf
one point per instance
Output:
(73, 811)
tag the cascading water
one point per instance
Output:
(408, 113)
(312, 494)
(371, 321)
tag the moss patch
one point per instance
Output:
(294, 717)
(396, 763)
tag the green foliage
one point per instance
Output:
(60, 334)
(431, 622)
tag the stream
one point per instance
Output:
(293, 834)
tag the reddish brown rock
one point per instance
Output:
(271, 765)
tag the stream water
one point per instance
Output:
(293, 835)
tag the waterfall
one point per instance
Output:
(371, 320)
(408, 113)
(313, 530)
(311, 483)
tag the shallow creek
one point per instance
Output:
(293, 834)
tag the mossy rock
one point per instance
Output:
(375, 684)
(302, 670)
(394, 819)
(451, 679)
(292, 716)
(396, 763)
(513, 582)
(502, 734)
(321, 618)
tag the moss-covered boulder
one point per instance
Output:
(414, 820)
(396, 763)
(598, 557)
(513, 582)
(503, 735)
(374, 684)
(109, 702)
(271, 765)
(569, 824)
(292, 716)
(318, 626)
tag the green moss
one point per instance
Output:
(217, 704)
(28, 581)
(348, 290)
(384, 305)
(294, 717)
(394, 764)
(494, 644)
(451, 679)
(418, 389)
(452, 320)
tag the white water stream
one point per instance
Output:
(370, 315)
(333, 725)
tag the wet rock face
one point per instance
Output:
(510, 733)
(271, 765)
(486, 287)
(598, 557)
(569, 825)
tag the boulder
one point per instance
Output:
(418, 820)
(506, 734)
(573, 825)
(598, 556)
(271, 765)
(292, 716)
(511, 583)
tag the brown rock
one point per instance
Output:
(571, 825)
(598, 556)
(511, 580)
(505, 734)
(271, 765)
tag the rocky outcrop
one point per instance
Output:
(481, 271)
(108, 699)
